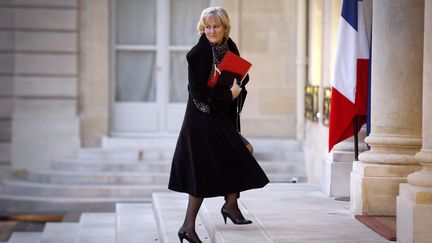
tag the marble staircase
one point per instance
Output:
(141, 222)
(281, 212)
(123, 170)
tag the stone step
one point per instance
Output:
(127, 178)
(158, 166)
(71, 177)
(288, 177)
(171, 140)
(20, 187)
(277, 149)
(136, 223)
(264, 154)
(278, 155)
(119, 166)
(220, 232)
(97, 228)
(125, 154)
(276, 143)
(170, 210)
(282, 166)
(157, 141)
(60, 232)
(25, 237)
(12, 203)
(163, 148)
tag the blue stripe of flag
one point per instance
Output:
(368, 114)
(349, 12)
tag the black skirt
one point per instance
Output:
(211, 159)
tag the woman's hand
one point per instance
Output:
(235, 89)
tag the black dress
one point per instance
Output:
(210, 158)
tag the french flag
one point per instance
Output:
(350, 81)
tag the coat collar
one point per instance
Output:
(203, 41)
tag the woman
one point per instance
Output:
(211, 158)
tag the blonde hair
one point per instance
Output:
(214, 12)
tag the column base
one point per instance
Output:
(374, 187)
(414, 211)
(335, 178)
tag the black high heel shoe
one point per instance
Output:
(225, 213)
(183, 235)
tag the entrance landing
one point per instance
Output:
(281, 212)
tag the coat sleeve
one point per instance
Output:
(197, 78)
(199, 68)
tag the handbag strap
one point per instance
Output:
(238, 110)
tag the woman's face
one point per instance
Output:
(214, 30)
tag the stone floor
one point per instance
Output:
(301, 213)
(281, 212)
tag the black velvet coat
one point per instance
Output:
(210, 158)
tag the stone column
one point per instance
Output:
(396, 107)
(414, 203)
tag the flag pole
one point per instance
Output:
(356, 151)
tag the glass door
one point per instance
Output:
(150, 39)
(182, 36)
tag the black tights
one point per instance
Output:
(231, 204)
(194, 205)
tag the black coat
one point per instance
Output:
(210, 158)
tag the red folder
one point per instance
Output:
(231, 63)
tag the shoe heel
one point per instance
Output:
(224, 217)
(181, 237)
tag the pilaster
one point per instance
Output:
(396, 107)
(45, 125)
(7, 36)
(94, 82)
(271, 109)
(301, 67)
